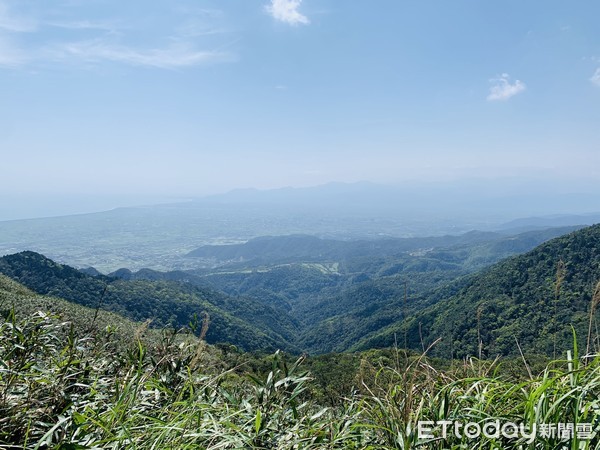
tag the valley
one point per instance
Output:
(295, 340)
(301, 293)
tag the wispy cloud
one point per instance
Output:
(27, 39)
(503, 89)
(596, 77)
(85, 25)
(11, 25)
(14, 23)
(287, 11)
(177, 55)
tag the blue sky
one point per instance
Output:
(192, 97)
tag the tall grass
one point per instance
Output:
(63, 390)
(593, 306)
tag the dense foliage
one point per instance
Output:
(241, 321)
(64, 389)
(377, 294)
(304, 248)
(357, 288)
(532, 299)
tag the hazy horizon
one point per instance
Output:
(466, 193)
(188, 98)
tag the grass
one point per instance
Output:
(65, 389)
(593, 306)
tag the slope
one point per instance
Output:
(16, 298)
(243, 322)
(532, 298)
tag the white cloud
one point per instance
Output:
(29, 39)
(85, 25)
(175, 56)
(287, 11)
(596, 77)
(503, 89)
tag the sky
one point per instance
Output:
(182, 98)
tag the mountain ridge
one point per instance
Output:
(165, 302)
(513, 299)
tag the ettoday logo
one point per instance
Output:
(494, 429)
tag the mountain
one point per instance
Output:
(159, 236)
(560, 220)
(357, 288)
(16, 298)
(244, 322)
(469, 197)
(473, 250)
(305, 248)
(302, 293)
(514, 300)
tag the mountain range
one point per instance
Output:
(301, 293)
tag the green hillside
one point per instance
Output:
(377, 256)
(244, 322)
(532, 298)
(364, 305)
(18, 300)
(66, 386)
(281, 249)
(83, 380)
(354, 303)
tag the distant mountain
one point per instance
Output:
(337, 195)
(294, 248)
(469, 251)
(512, 300)
(511, 196)
(244, 322)
(302, 293)
(92, 271)
(159, 236)
(551, 221)
(357, 287)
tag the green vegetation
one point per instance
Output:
(404, 295)
(63, 388)
(342, 310)
(523, 299)
(379, 257)
(17, 299)
(244, 322)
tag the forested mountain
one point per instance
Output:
(378, 256)
(294, 248)
(281, 249)
(18, 300)
(244, 322)
(357, 288)
(374, 295)
(71, 382)
(532, 298)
